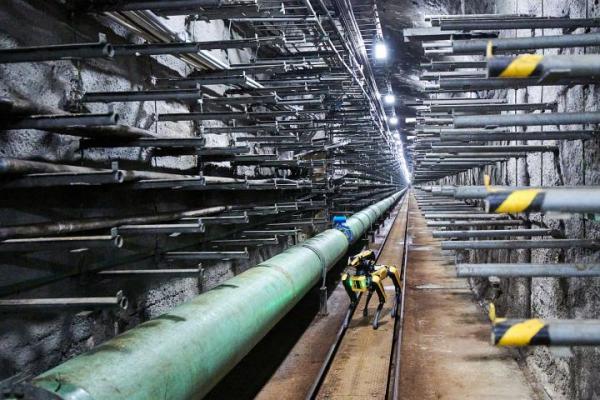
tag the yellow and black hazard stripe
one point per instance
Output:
(522, 66)
(515, 333)
(518, 201)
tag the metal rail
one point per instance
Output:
(332, 353)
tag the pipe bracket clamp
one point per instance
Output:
(339, 223)
(318, 253)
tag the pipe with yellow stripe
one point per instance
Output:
(537, 332)
(507, 45)
(547, 68)
(564, 200)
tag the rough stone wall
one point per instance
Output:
(564, 373)
(33, 342)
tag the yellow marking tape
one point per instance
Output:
(518, 201)
(522, 66)
(521, 334)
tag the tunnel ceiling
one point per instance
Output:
(403, 67)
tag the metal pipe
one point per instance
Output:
(68, 243)
(492, 121)
(494, 149)
(436, 20)
(191, 47)
(536, 332)
(133, 273)
(59, 121)
(451, 65)
(184, 353)
(477, 84)
(481, 192)
(226, 219)
(207, 255)
(231, 79)
(528, 270)
(465, 216)
(158, 229)
(12, 305)
(546, 68)
(145, 5)
(524, 43)
(76, 51)
(434, 76)
(162, 142)
(583, 200)
(498, 23)
(68, 226)
(455, 100)
(64, 179)
(198, 116)
(453, 224)
(247, 242)
(494, 233)
(435, 33)
(493, 136)
(142, 95)
(491, 107)
(521, 244)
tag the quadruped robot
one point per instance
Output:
(368, 278)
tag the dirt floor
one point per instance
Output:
(446, 351)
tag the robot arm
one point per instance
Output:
(367, 256)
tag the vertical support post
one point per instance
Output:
(323, 293)
(200, 278)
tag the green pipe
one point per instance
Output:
(184, 353)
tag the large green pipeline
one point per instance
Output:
(184, 353)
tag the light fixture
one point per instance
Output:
(381, 50)
(393, 121)
(389, 99)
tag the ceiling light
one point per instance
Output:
(389, 99)
(381, 51)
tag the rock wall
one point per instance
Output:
(564, 373)
(33, 342)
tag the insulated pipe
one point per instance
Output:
(584, 200)
(482, 121)
(184, 353)
(536, 332)
(527, 270)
